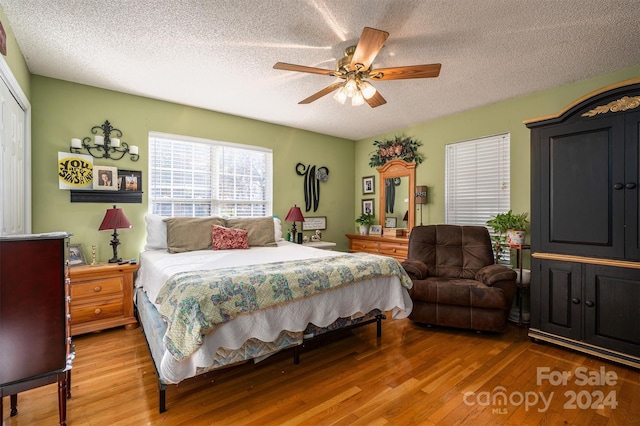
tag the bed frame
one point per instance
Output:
(154, 328)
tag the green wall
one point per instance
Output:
(502, 117)
(62, 110)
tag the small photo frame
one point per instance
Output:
(368, 185)
(130, 180)
(76, 255)
(105, 178)
(367, 206)
(375, 230)
(390, 222)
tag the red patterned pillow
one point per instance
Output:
(229, 238)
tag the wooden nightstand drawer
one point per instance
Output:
(96, 311)
(96, 288)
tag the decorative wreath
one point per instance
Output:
(403, 148)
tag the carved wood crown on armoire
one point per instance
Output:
(34, 322)
(585, 225)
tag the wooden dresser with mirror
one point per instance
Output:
(396, 181)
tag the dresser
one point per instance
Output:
(396, 247)
(34, 330)
(102, 297)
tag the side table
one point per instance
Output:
(322, 245)
(102, 297)
(521, 286)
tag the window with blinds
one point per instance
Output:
(199, 177)
(477, 183)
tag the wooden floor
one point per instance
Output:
(413, 375)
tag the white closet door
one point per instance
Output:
(12, 164)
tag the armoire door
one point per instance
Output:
(561, 298)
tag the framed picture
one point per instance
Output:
(368, 185)
(129, 180)
(105, 178)
(367, 206)
(313, 223)
(390, 222)
(375, 230)
(76, 256)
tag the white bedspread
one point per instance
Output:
(156, 266)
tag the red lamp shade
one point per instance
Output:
(114, 219)
(294, 215)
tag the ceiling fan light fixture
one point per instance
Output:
(367, 89)
(340, 96)
(351, 87)
(357, 99)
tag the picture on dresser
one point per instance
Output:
(76, 255)
(375, 230)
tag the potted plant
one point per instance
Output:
(365, 221)
(509, 229)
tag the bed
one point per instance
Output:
(203, 308)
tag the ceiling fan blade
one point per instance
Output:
(302, 68)
(322, 92)
(370, 43)
(401, 73)
(376, 100)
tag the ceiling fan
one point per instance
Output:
(355, 67)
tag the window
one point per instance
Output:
(200, 177)
(477, 180)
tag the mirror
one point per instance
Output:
(397, 185)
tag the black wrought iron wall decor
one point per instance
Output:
(104, 146)
(312, 179)
(390, 193)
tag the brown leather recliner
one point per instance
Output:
(455, 280)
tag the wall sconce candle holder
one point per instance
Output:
(104, 146)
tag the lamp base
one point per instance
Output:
(115, 242)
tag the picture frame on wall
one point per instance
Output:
(130, 180)
(314, 223)
(367, 206)
(390, 222)
(105, 178)
(368, 185)
(76, 255)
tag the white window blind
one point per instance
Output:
(198, 177)
(477, 183)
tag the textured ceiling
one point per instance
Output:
(219, 55)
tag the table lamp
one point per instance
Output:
(295, 215)
(114, 219)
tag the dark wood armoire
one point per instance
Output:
(34, 325)
(585, 225)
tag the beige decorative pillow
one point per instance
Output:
(190, 233)
(260, 229)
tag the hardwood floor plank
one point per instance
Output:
(413, 375)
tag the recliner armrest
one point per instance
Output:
(416, 269)
(493, 273)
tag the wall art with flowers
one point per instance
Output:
(399, 147)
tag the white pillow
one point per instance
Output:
(156, 233)
(277, 228)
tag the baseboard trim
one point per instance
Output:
(614, 356)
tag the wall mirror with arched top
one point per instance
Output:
(397, 186)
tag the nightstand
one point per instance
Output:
(101, 297)
(322, 245)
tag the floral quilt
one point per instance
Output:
(196, 302)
